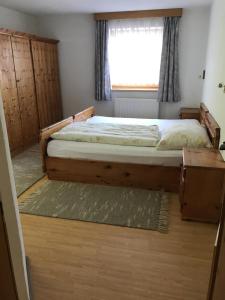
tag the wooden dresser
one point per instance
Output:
(202, 184)
(190, 113)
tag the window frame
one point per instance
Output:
(136, 87)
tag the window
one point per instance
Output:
(135, 47)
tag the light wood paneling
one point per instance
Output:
(9, 94)
(80, 260)
(175, 12)
(46, 72)
(26, 90)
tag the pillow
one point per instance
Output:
(178, 136)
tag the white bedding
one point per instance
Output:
(118, 153)
(108, 133)
(162, 124)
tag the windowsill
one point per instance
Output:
(135, 89)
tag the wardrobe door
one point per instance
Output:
(9, 94)
(26, 90)
(47, 82)
(53, 81)
(40, 74)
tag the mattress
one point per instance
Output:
(114, 153)
(118, 153)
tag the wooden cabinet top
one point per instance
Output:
(203, 158)
(189, 110)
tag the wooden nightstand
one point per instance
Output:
(202, 184)
(190, 113)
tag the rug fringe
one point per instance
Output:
(27, 200)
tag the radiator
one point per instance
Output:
(136, 108)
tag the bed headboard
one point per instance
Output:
(211, 125)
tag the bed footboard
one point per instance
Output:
(85, 114)
(113, 173)
(45, 137)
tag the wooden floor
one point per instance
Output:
(72, 260)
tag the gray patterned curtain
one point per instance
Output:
(102, 76)
(169, 87)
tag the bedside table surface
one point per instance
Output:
(189, 110)
(204, 158)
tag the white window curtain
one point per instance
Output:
(135, 47)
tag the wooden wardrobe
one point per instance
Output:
(30, 88)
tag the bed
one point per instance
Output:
(143, 167)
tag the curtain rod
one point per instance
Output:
(175, 12)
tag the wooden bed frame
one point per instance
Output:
(153, 177)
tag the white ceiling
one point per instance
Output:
(40, 7)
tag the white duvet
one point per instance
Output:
(105, 133)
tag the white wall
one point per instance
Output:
(11, 19)
(76, 57)
(76, 54)
(214, 97)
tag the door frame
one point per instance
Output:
(8, 199)
(219, 243)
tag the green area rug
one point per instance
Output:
(137, 208)
(27, 168)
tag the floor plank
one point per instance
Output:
(79, 260)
